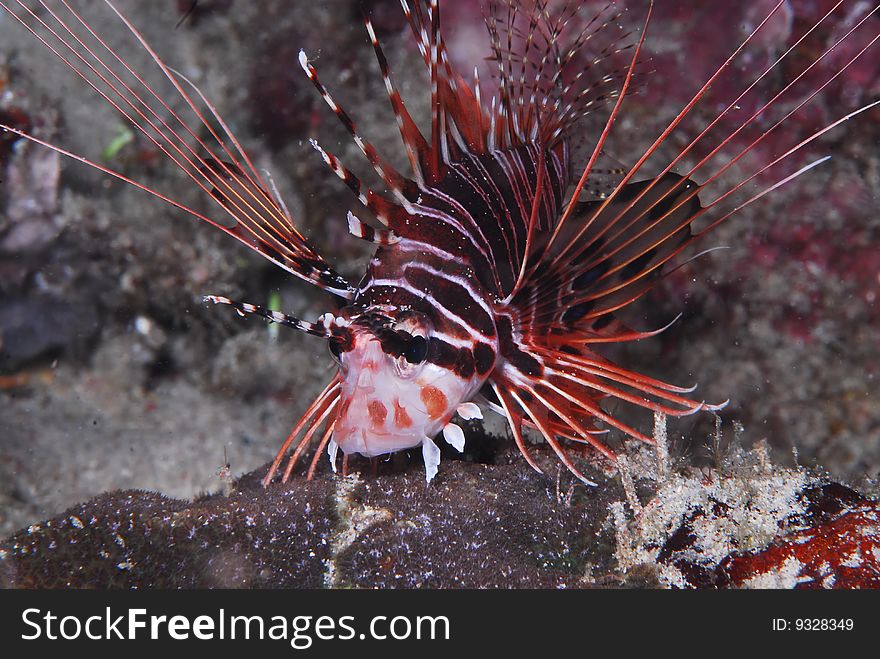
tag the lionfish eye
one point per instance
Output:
(416, 350)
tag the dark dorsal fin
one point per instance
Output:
(620, 250)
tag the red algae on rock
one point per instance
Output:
(842, 551)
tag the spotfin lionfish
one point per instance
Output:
(497, 275)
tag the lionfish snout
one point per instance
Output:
(392, 397)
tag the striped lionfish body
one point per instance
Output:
(428, 325)
(496, 275)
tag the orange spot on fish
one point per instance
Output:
(377, 412)
(435, 401)
(401, 417)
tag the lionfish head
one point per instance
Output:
(392, 394)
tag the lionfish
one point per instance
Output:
(496, 275)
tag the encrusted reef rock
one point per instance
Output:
(836, 546)
(744, 524)
(137, 539)
(750, 524)
(476, 526)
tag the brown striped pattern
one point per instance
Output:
(460, 249)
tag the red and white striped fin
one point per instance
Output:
(320, 412)
(552, 68)
(573, 245)
(399, 185)
(217, 164)
(618, 263)
(559, 394)
(385, 211)
(457, 122)
(417, 148)
(323, 328)
(373, 235)
(609, 252)
(604, 254)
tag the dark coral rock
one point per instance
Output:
(486, 527)
(475, 526)
(39, 325)
(136, 539)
